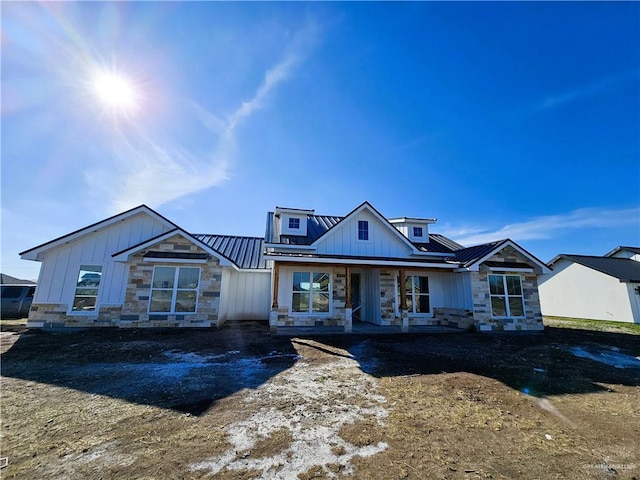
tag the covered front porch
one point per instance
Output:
(322, 297)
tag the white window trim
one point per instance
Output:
(357, 223)
(174, 293)
(412, 313)
(506, 297)
(310, 313)
(87, 313)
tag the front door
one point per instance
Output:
(356, 297)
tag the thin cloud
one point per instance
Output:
(597, 87)
(155, 171)
(550, 226)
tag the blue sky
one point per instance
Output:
(517, 120)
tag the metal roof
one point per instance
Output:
(624, 269)
(245, 252)
(439, 244)
(470, 255)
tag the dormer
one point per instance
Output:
(291, 221)
(415, 229)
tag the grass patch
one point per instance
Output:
(595, 325)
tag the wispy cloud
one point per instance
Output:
(154, 170)
(549, 226)
(596, 87)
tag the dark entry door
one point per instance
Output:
(356, 297)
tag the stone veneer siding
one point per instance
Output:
(335, 319)
(136, 304)
(134, 312)
(482, 300)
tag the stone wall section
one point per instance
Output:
(336, 319)
(136, 304)
(482, 301)
(134, 311)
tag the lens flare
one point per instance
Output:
(115, 92)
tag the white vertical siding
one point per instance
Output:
(573, 290)
(60, 266)
(450, 290)
(343, 239)
(245, 295)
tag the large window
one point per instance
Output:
(311, 292)
(416, 289)
(363, 230)
(86, 294)
(506, 296)
(174, 290)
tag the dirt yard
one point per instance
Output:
(240, 404)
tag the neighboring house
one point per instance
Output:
(592, 287)
(138, 269)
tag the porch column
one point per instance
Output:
(404, 313)
(273, 315)
(348, 311)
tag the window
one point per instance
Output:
(363, 230)
(12, 292)
(294, 223)
(417, 232)
(506, 296)
(311, 292)
(174, 290)
(417, 292)
(86, 294)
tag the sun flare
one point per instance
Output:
(115, 92)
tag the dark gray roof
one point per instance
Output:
(317, 225)
(245, 252)
(624, 269)
(470, 255)
(634, 250)
(439, 244)
(9, 280)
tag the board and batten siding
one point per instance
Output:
(61, 265)
(245, 295)
(573, 290)
(343, 239)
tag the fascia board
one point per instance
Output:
(35, 252)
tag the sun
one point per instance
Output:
(116, 93)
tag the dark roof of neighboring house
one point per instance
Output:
(624, 269)
(9, 280)
(245, 252)
(634, 250)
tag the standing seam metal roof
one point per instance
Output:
(245, 252)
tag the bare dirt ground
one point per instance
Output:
(237, 403)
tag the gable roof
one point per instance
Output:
(381, 218)
(123, 255)
(634, 250)
(471, 257)
(9, 280)
(32, 253)
(624, 269)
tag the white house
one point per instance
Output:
(592, 287)
(138, 269)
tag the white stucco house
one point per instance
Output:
(139, 269)
(593, 287)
